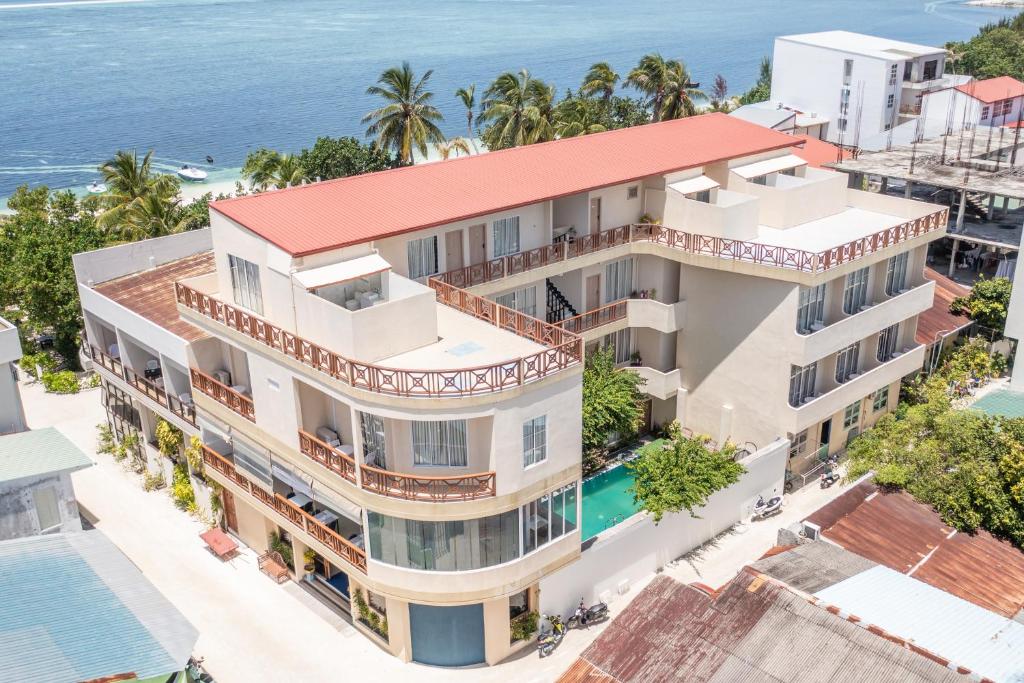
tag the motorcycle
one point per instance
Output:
(194, 672)
(585, 616)
(547, 641)
(764, 509)
(828, 478)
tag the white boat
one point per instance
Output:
(191, 173)
(97, 188)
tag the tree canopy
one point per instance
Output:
(996, 50)
(408, 120)
(987, 304)
(762, 90)
(612, 400)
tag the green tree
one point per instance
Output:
(626, 112)
(651, 78)
(129, 180)
(468, 98)
(762, 90)
(612, 400)
(681, 475)
(408, 120)
(150, 216)
(342, 157)
(681, 93)
(517, 110)
(577, 115)
(996, 50)
(987, 303)
(454, 146)
(600, 80)
(265, 168)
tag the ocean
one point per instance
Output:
(191, 78)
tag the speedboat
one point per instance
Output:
(191, 173)
(97, 188)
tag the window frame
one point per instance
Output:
(880, 400)
(888, 339)
(851, 419)
(535, 441)
(451, 439)
(896, 273)
(246, 287)
(422, 257)
(510, 240)
(51, 501)
(802, 381)
(810, 310)
(847, 361)
(520, 300)
(619, 277)
(798, 444)
(855, 291)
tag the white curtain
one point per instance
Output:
(506, 236)
(618, 280)
(439, 443)
(245, 284)
(422, 257)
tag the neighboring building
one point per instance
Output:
(36, 494)
(74, 608)
(938, 328)
(991, 102)
(12, 413)
(860, 85)
(776, 116)
(390, 366)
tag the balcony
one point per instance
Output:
(285, 510)
(430, 489)
(662, 385)
(223, 394)
(340, 463)
(648, 313)
(156, 393)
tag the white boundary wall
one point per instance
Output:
(637, 548)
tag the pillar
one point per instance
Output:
(884, 185)
(952, 258)
(963, 209)
(909, 189)
(991, 206)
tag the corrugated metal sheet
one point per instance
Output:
(966, 634)
(937, 319)
(73, 607)
(812, 566)
(151, 292)
(38, 452)
(358, 209)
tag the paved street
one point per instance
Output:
(252, 630)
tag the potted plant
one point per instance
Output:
(634, 359)
(310, 564)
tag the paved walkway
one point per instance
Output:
(252, 630)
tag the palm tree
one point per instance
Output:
(150, 216)
(681, 93)
(408, 119)
(268, 168)
(468, 97)
(577, 116)
(518, 110)
(650, 78)
(600, 79)
(289, 172)
(456, 145)
(129, 179)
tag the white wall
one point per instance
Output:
(125, 259)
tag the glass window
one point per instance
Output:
(887, 339)
(374, 448)
(1007, 106)
(931, 68)
(535, 443)
(844, 101)
(851, 416)
(422, 257)
(632, 192)
(880, 399)
(444, 546)
(702, 196)
(549, 517)
(522, 300)
(908, 70)
(892, 74)
(506, 236)
(618, 282)
(801, 383)
(621, 342)
(855, 294)
(47, 510)
(439, 444)
(798, 444)
(518, 603)
(811, 308)
(760, 180)
(846, 362)
(245, 284)
(985, 112)
(896, 273)
(847, 71)
(889, 101)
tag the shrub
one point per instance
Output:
(283, 547)
(105, 439)
(30, 361)
(168, 438)
(63, 382)
(151, 482)
(369, 616)
(194, 456)
(93, 381)
(182, 493)
(524, 626)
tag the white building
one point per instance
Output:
(991, 102)
(389, 366)
(12, 413)
(862, 85)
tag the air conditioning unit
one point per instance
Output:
(810, 530)
(223, 376)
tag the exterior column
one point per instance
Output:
(884, 185)
(908, 190)
(963, 209)
(991, 206)
(952, 258)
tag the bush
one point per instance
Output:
(151, 482)
(63, 382)
(105, 439)
(987, 303)
(377, 622)
(524, 626)
(182, 493)
(168, 438)
(194, 456)
(283, 547)
(93, 381)
(30, 361)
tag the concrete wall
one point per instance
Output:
(18, 517)
(94, 267)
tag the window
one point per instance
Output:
(844, 101)
(801, 383)
(518, 604)
(549, 517)
(811, 309)
(892, 74)
(908, 70)
(880, 400)
(896, 273)
(47, 511)
(439, 444)
(887, 339)
(618, 280)
(846, 362)
(931, 68)
(851, 416)
(621, 342)
(522, 300)
(842, 125)
(702, 196)
(422, 257)
(374, 449)
(889, 101)
(444, 546)
(847, 71)
(633, 192)
(506, 236)
(377, 602)
(985, 112)
(798, 444)
(760, 180)
(1007, 106)
(245, 284)
(855, 294)
(535, 440)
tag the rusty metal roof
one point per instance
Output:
(150, 293)
(755, 630)
(937, 320)
(893, 529)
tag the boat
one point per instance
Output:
(191, 173)
(96, 188)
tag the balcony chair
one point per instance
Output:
(328, 436)
(152, 370)
(114, 351)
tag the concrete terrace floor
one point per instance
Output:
(252, 630)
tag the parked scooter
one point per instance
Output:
(194, 672)
(828, 478)
(764, 509)
(547, 641)
(585, 616)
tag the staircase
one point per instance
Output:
(558, 307)
(976, 205)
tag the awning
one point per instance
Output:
(337, 502)
(693, 185)
(760, 168)
(337, 273)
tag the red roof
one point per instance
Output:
(817, 152)
(337, 213)
(993, 89)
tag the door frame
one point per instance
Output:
(477, 244)
(448, 251)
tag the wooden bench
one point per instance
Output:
(219, 543)
(272, 564)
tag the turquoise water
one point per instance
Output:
(191, 78)
(607, 501)
(1003, 402)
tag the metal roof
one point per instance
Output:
(812, 566)
(38, 452)
(969, 636)
(764, 114)
(938, 321)
(73, 608)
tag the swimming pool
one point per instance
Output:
(607, 501)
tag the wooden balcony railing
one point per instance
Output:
(223, 394)
(144, 386)
(106, 361)
(563, 349)
(331, 458)
(434, 489)
(590, 320)
(290, 512)
(692, 243)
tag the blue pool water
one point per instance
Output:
(607, 501)
(191, 78)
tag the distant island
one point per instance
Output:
(995, 3)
